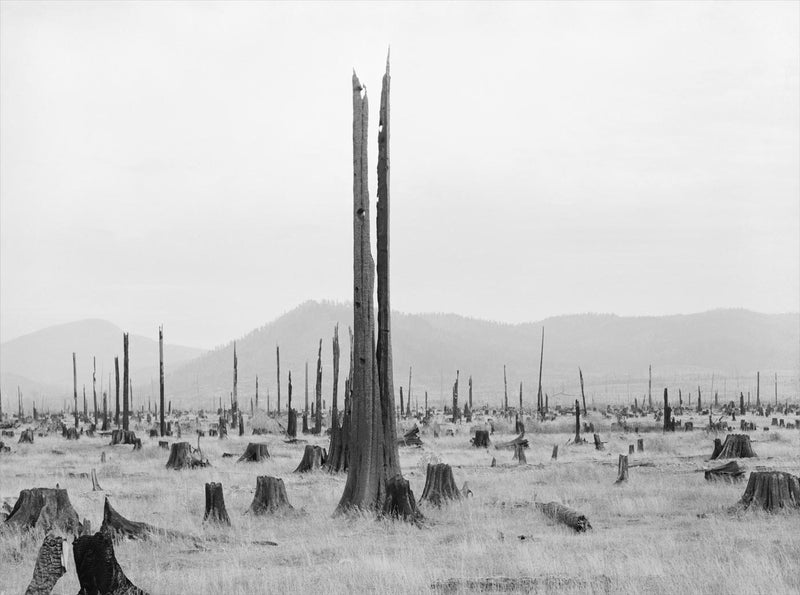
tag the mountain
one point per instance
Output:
(40, 363)
(613, 351)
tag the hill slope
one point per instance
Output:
(614, 353)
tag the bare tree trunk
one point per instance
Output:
(75, 387)
(94, 387)
(105, 411)
(116, 376)
(470, 392)
(318, 416)
(577, 422)
(252, 413)
(305, 386)
(162, 425)
(650, 386)
(758, 390)
(291, 424)
(541, 362)
(125, 381)
(583, 395)
(520, 401)
(505, 391)
(455, 399)
(278, 359)
(235, 396)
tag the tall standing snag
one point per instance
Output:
(162, 425)
(373, 448)
(318, 412)
(125, 381)
(75, 387)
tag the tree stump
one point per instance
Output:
(631, 449)
(314, 457)
(270, 496)
(163, 444)
(118, 526)
(640, 445)
(123, 437)
(481, 439)
(519, 454)
(291, 429)
(494, 462)
(554, 456)
(440, 485)
(50, 566)
(622, 469)
(598, 445)
(97, 567)
(717, 448)
(566, 515)
(736, 446)
(729, 472)
(26, 436)
(255, 453)
(95, 484)
(410, 438)
(772, 491)
(137, 444)
(183, 456)
(46, 509)
(215, 505)
(399, 503)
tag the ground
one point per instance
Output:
(666, 530)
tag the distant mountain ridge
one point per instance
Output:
(613, 351)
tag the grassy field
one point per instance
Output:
(666, 530)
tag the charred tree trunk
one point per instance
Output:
(105, 411)
(736, 446)
(97, 567)
(539, 390)
(758, 390)
(318, 387)
(335, 445)
(668, 425)
(640, 445)
(94, 388)
(314, 457)
(402, 410)
(215, 505)
(116, 376)
(49, 566)
(291, 424)
(162, 424)
(270, 496)
(622, 469)
(75, 387)
(373, 450)
(505, 391)
(717, 448)
(455, 399)
(255, 453)
(125, 381)
(519, 454)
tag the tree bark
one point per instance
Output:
(622, 469)
(314, 457)
(399, 503)
(49, 566)
(46, 509)
(771, 491)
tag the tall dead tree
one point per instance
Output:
(539, 391)
(470, 392)
(577, 422)
(650, 386)
(235, 397)
(75, 387)
(105, 411)
(162, 425)
(125, 381)
(758, 390)
(291, 424)
(94, 387)
(373, 456)
(583, 395)
(699, 400)
(668, 425)
(256, 391)
(520, 400)
(305, 386)
(85, 413)
(402, 411)
(408, 411)
(116, 376)
(318, 416)
(505, 391)
(455, 399)
(278, 359)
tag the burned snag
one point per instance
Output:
(481, 439)
(98, 571)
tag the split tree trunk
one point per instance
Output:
(215, 505)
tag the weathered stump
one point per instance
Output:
(622, 469)
(270, 496)
(519, 454)
(97, 567)
(772, 491)
(566, 515)
(439, 485)
(314, 457)
(291, 428)
(410, 438)
(481, 439)
(736, 446)
(554, 456)
(215, 505)
(598, 445)
(255, 453)
(50, 566)
(640, 445)
(46, 509)
(183, 456)
(26, 436)
(137, 444)
(399, 503)
(71, 433)
(717, 448)
(729, 472)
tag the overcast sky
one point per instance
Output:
(191, 163)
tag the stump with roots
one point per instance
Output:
(566, 515)
(481, 439)
(270, 496)
(97, 567)
(772, 491)
(48, 509)
(736, 446)
(26, 436)
(439, 485)
(183, 456)
(215, 505)
(123, 437)
(50, 566)
(255, 453)
(399, 503)
(622, 469)
(314, 457)
(519, 454)
(729, 472)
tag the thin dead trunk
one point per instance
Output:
(162, 425)
(125, 381)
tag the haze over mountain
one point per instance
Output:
(613, 352)
(40, 363)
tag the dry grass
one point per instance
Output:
(667, 530)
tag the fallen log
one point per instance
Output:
(513, 443)
(566, 515)
(729, 472)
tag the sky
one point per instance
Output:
(189, 164)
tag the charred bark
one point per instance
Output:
(50, 566)
(98, 571)
(772, 491)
